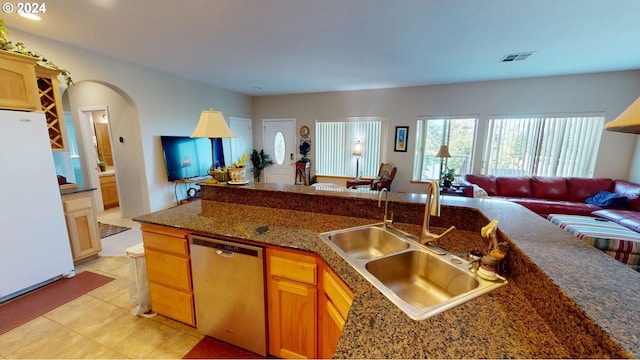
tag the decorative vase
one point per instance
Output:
(237, 175)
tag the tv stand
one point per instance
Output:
(191, 193)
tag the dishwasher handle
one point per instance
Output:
(224, 253)
(226, 248)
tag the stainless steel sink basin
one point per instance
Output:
(420, 280)
(368, 242)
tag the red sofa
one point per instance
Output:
(559, 195)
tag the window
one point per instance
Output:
(336, 140)
(456, 132)
(543, 145)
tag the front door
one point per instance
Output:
(279, 142)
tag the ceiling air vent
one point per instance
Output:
(517, 56)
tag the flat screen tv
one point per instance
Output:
(186, 157)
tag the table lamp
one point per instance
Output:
(628, 121)
(212, 125)
(357, 151)
(443, 153)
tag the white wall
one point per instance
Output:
(608, 92)
(163, 105)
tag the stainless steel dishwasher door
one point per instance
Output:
(228, 287)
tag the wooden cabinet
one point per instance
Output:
(292, 303)
(335, 300)
(51, 105)
(109, 191)
(104, 142)
(18, 87)
(169, 272)
(82, 225)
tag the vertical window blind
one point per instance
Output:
(543, 145)
(336, 140)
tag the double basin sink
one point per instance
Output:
(422, 280)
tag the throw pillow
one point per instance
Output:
(479, 192)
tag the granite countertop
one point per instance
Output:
(75, 190)
(518, 320)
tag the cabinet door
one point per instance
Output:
(18, 87)
(335, 302)
(292, 319)
(109, 191)
(104, 142)
(331, 327)
(82, 225)
(83, 234)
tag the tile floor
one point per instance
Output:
(99, 324)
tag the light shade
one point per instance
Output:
(357, 150)
(212, 125)
(443, 152)
(628, 121)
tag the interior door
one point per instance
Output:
(279, 142)
(243, 142)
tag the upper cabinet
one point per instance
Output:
(18, 87)
(51, 102)
(29, 87)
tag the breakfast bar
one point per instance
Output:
(558, 302)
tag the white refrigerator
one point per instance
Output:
(34, 246)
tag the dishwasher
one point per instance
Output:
(229, 292)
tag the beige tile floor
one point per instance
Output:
(99, 325)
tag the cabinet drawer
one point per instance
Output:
(293, 267)
(340, 298)
(169, 270)
(171, 303)
(82, 203)
(166, 243)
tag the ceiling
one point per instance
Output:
(266, 47)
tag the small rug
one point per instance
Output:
(38, 302)
(210, 348)
(108, 229)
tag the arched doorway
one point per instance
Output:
(88, 99)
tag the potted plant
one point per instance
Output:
(20, 48)
(448, 176)
(237, 169)
(101, 163)
(260, 160)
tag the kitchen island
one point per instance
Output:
(558, 303)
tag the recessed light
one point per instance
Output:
(29, 16)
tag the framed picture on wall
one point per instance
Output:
(402, 135)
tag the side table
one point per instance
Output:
(453, 191)
(303, 172)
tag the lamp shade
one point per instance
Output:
(212, 125)
(443, 152)
(628, 121)
(357, 150)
